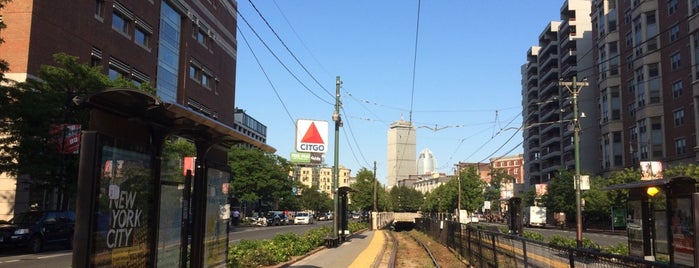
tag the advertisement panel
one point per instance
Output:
(123, 229)
(306, 158)
(311, 136)
(66, 138)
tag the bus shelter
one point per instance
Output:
(661, 219)
(143, 200)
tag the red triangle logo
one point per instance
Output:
(312, 135)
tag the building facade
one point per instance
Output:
(186, 49)
(426, 163)
(547, 111)
(401, 152)
(646, 55)
(513, 166)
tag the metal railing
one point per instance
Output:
(491, 248)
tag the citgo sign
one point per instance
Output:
(311, 136)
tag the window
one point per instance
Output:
(678, 115)
(201, 35)
(675, 61)
(203, 77)
(674, 33)
(671, 7)
(99, 9)
(677, 89)
(695, 6)
(681, 146)
(115, 73)
(141, 37)
(120, 22)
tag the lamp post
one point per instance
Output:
(574, 88)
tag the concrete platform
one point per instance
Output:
(360, 251)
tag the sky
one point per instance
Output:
(451, 67)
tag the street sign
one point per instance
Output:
(311, 136)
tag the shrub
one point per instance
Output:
(558, 240)
(533, 235)
(618, 249)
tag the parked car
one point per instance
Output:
(35, 229)
(303, 218)
(276, 218)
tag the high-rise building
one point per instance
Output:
(647, 53)
(426, 163)
(547, 111)
(401, 152)
(186, 49)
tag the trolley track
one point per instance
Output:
(394, 244)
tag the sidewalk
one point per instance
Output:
(359, 251)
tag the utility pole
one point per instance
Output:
(336, 168)
(375, 182)
(574, 88)
(458, 212)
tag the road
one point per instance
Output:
(63, 258)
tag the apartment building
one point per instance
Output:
(512, 166)
(646, 55)
(560, 55)
(186, 49)
(320, 176)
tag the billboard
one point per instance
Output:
(311, 136)
(306, 158)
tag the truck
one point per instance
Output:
(534, 216)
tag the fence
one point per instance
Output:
(490, 248)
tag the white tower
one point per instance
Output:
(426, 163)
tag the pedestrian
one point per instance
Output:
(236, 217)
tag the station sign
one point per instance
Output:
(311, 136)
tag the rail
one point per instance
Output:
(490, 248)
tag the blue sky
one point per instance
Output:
(458, 70)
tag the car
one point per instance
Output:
(276, 218)
(34, 230)
(303, 218)
(355, 216)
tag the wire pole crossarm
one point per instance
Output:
(574, 88)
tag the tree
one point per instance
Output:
(471, 189)
(363, 195)
(560, 194)
(314, 199)
(406, 199)
(4, 66)
(31, 109)
(258, 176)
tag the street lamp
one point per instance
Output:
(574, 88)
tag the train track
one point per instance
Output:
(394, 249)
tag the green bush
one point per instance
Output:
(618, 249)
(281, 247)
(558, 240)
(533, 235)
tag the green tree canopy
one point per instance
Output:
(31, 109)
(259, 176)
(362, 197)
(406, 199)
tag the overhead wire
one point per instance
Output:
(289, 50)
(280, 61)
(411, 128)
(267, 77)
